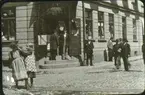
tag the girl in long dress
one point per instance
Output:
(30, 63)
(19, 72)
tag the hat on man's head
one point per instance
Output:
(111, 38)
(125, 40)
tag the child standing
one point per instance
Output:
(30, 63)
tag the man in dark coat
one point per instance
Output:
(63, 44)
(117, 51)
(89, 51)
(53, 45)
(125, 52)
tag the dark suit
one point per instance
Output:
(124, 53)
(143, 51)
(89, 51)
(115, 51)
(53, 46)
(61, 43)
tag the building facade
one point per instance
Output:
(100, 19)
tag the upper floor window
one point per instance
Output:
(134, 30)
(88, 20)
(101, 32)
(111, 25)
(8, 24)
(124, 34)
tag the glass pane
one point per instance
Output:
(100, 16)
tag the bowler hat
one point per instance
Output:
(125, 40)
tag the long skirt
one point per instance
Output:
(19, 71)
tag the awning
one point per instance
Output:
(53, 9)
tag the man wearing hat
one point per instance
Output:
(89, 50)
(125, 53)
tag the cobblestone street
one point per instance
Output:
(102, 78)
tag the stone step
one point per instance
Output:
(58, 61)
(58, 64)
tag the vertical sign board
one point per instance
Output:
(75, 41)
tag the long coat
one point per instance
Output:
(61, 42)
(125, 50)
(116, 48)
(54, 41)
(89, 48)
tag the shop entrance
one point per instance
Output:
(45, 25)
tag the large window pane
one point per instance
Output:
(111, 25)
(8, 24)
(88, 18)
(134, 30)
(101, 32)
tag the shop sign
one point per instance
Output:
(42, 39)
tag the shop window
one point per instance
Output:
(111, 25)
(101, 31)
(134, 30)
(88, 18)
(8, 24)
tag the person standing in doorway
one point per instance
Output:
(66, 42)
(117, 53)
(54, 45)
(125, 53)
(110, 49)
(89, 51)
(63, 44)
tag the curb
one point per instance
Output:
(131, 60)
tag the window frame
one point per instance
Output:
(124, 32)
(111, 22)
(9, 20)
(100, 23)
(89, 20)
(134, 26)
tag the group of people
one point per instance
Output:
(58, 43)
(119, 50)
(22, 64)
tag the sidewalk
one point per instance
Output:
(135, 58)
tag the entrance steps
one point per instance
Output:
(45, 63)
